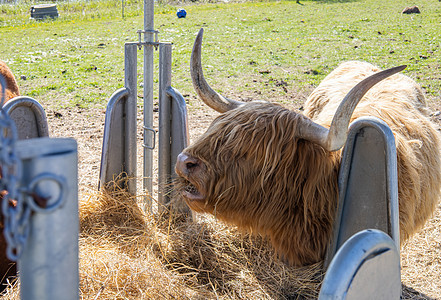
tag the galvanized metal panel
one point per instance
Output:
(179, 139)
(179, 126)
(173, 130)
(119, 140)
(368, 184)
(367, 266)
(131, 83)
(29, 117)
(113, 151)
(48, 266)
(164, 171)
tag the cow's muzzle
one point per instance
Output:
(187, 165)
(190, 168)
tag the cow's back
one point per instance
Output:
(325, 99)
(399, 102)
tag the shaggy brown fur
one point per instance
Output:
(398, 101)
(11, 84)
(411, 10)
(254, 172)
(261, 177)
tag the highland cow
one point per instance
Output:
(274, 172)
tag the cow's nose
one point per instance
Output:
(186, 164)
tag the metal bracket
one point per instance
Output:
(151, 32)
(154, 138)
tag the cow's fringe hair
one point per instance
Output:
(277, 185)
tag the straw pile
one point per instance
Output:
(127, 254)
(421, 262)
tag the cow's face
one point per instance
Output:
(236, 161)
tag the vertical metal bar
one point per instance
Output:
(164, 169)
(179, 126)
(148, 95)
(113, 151)
(179, 140)
(48, 266)
(130, 75)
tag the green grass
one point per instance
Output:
(267, 49)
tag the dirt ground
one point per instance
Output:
(420, 256)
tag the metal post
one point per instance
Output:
(130, 83)
(148, 94)
(178, 139)
(48, 266)
(179, 126)
(164, 167)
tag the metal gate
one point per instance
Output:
(40, 207)
(119, 141)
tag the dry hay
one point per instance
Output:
(127, 254)
(421, 262)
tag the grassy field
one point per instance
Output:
(269, 50)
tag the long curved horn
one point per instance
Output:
(205, 92)
(334, 138)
